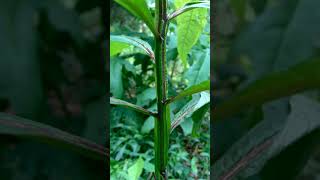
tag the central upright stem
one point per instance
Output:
(162, 124)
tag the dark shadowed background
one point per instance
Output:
(53, 70)
(266, 80)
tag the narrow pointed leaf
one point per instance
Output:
(117, 40)
(139, 8)
(204, 86)
(122, 103)
(24, 128)
(189, 6)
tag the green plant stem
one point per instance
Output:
(162, 125)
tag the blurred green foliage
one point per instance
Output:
(277, 139)
(52, 71)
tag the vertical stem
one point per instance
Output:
(162, 124)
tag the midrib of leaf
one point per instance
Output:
(149, 51)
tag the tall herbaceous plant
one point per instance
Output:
(190, 18)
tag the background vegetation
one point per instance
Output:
(52, 71)
(266, 89)
(132, 79)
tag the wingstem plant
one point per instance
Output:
(163, 125)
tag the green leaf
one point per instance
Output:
(135, 170)
(148, 125)
(190, 27)
(302, 77)
(197, 102)
(122, 103)
(139, 8)
(149, 167)
(116, 85)
(189, 6)
(122, 41)
(203, 86)
(270, 137)
(117, 47)
(186, 126)
(24, 128)
(194, 168)
(197, 118)
(200, 70)
(146, 97)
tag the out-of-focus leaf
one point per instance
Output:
(298, 154)
(96, 124)
(258, 5)
(197, 118)
(189, 6)
(203, 86)
(121, 41)
(186, 126)
(200, 70)
(23, 128)
(146, 97)
(302, 77)
(249, 155)
(239, 6)
(135, 170)
(129, 67)
(277, 28)
(190, 27)
(120, 153)
(116, 85)
(83, 5)
(139, 8)
(62, 18)
(19, 65)
(148, 125)
(194, 168)
(149, 167)
(122, 103)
